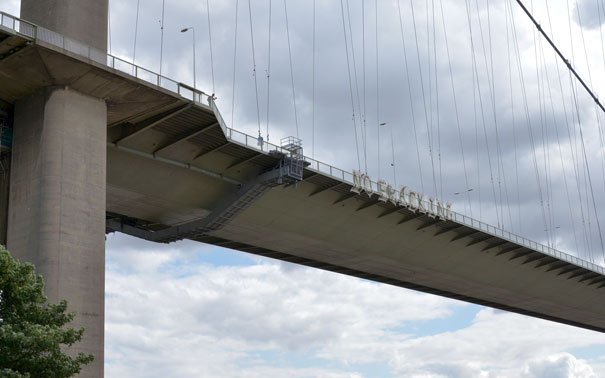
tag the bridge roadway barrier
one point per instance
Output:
(173, 165)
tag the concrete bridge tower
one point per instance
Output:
(56, 216)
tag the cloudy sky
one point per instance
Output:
(473, 102)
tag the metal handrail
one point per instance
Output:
(38, 33)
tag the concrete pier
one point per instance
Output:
(57, 201)
(57, 204)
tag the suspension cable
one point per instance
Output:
(560, 54)
(492, 90)
(599, 128)
(269, 73)
(162, 37)
(136, 31)
(594, 204)
(437, 112)
(210, 43)
(363, 130)
(234, 64)
(313, 90)
(449, 60)
(363, 111)
(407, 72)
(476, 76)
(378, 123)
(528, 117)
(109, 24)
(291, 69)
(581, 172)
(424, 98)
(512, 114)
(565, 179)
(350, 82)
(254, 66)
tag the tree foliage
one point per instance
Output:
(33, 333)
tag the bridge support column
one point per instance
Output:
(57, 204)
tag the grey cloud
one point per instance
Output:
(589, 14)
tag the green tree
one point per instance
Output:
(33, 333)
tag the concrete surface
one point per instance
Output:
(57, 204)
(82, 20)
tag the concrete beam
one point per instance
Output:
(151, 122)
(184, 137)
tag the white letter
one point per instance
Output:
(420, 203)
(440, 210)
(391, 194)
(448, 210)
(412, 197)
(403, 201)
(382, 190)
(367, 185)
(431, 207)
(357, 177)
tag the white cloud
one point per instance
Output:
(563, 365)
(220, 316)
(271, 319)
(496, 343)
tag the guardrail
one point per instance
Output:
(38, 33)
(347, 177)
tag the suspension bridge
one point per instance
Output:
(93, 143)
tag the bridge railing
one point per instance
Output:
(38, 33)
(347, 177)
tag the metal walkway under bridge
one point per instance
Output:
(175, 171)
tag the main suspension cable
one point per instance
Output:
(560, 54)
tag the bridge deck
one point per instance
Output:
(173, 162)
